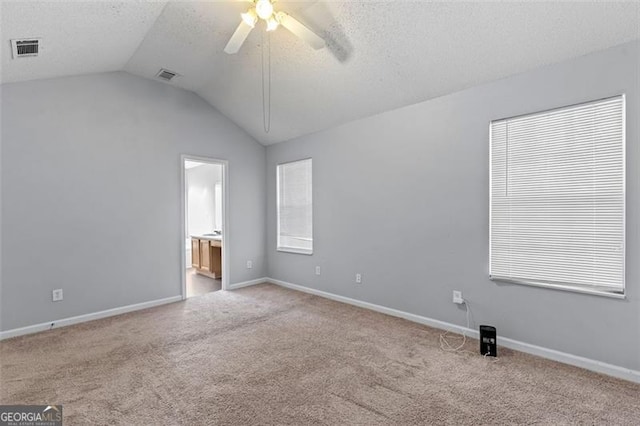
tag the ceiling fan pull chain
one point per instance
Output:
(266, 91)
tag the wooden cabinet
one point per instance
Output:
(206, 256)
(195, 253)
(216, 259)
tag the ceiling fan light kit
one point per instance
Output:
(264, 10)
(250, 17)
(272, 23)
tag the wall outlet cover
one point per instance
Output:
(358, 278)
(317, 270)
(56, 295)
(457, 297)
(249, 264)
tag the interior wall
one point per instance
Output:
(403, 199)
(90, 179)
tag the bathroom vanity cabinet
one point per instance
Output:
(206, 255)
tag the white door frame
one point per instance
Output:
(225, 218)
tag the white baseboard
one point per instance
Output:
(578, 361)
(84, 318)
(248, 283)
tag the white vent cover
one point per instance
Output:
(165, 74)
(25, 47)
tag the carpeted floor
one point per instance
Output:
(267, 355)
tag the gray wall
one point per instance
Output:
(403, 198)
(90, 178)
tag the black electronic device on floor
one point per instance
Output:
(488, 341)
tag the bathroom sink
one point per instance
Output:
(216, 237)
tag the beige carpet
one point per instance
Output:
(266, 355)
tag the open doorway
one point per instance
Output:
(204, 242)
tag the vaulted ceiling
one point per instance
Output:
(380, 55)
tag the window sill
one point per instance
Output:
(596, 291)
(294, 250)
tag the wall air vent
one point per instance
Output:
(166, 75)
(25, 47)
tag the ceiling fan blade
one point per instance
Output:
(238, 37)
(293, 25)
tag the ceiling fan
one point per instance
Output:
(263, 9)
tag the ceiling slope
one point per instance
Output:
(402, 53)
(380, 55)
(78, 37)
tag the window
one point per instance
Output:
(557, 198)
(295, 207)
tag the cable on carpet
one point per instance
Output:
(444, 343)
(447, 347)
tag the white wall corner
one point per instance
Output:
(236, 286)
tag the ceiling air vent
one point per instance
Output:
(25, 47)
(166, 75)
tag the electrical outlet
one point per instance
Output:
(358, 278)
(317, 270)
(56, 295)
(457, 297)
(249, 264)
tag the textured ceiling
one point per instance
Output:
(78, 37)
(380, 55)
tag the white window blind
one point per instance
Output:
(295, 207)
(558, 198)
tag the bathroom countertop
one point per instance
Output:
(208, 237)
